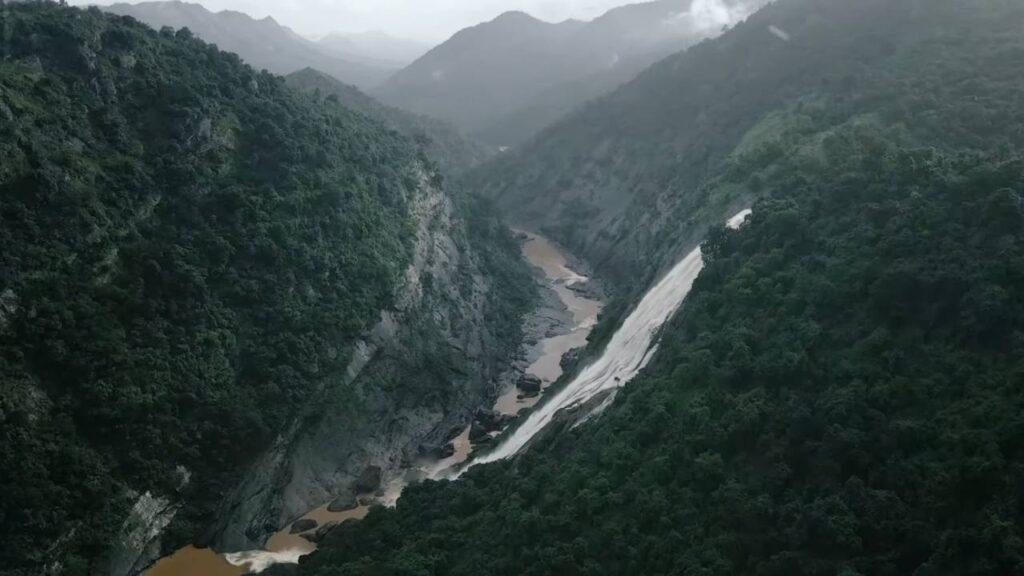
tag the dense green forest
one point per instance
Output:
(840, 395)
(620, 181)
(841, 392)
(190, 248)
(441, 141)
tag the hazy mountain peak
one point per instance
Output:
(506, 22)
(374, 46)
(505, 79)
(515, 15)
(263, 43)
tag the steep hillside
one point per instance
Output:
(442, 142)
(506, 79)
(625, 176)
(197, 261)
(482, 71)
(840, 393)
(261, 43)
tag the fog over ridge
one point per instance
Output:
(425, 20)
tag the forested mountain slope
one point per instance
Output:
(442, 142)
(623, 175)
(261, 43)
(192, 252)
(840, 393)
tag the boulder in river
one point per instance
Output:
(321, 532)
(343, 503)
(484, 422)
(529, 383)
(489, 420)
(478, 432)
(570, 359)
(303, 525)
(369, 479)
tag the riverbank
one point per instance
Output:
(578, 316)
(560, 324)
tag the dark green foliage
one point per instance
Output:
(840, 395)
(188, 248)
(618, 182)
(440, 141)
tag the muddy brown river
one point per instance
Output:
(544, 255)
(285, 547)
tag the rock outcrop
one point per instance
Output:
(138, 544)
(529, 384)
(439, 315)
(303, 525)
(485, 422)
(343, 503)
(8, 307)
(369, 480)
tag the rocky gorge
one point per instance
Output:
(326, 471)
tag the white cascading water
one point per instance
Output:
(625, 355)
(257, 561)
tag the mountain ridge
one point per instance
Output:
(441, 142)
(263, 43)
(375, 46)
(195, 254)
(486, 74)
(840, 392)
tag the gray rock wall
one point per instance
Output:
(435, 338)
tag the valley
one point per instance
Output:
(668, 287)
(558, 328)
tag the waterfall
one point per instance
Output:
(625, 356)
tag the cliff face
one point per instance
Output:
(439, 338)
(434, 338)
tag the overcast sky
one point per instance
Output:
(431, 20)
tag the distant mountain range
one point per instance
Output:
(500, 82)
(506, 79)
(267, 44)
(374, 47)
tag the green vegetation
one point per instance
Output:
(841, 393)
(620, 181)
(440, 141)
(190, 248)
